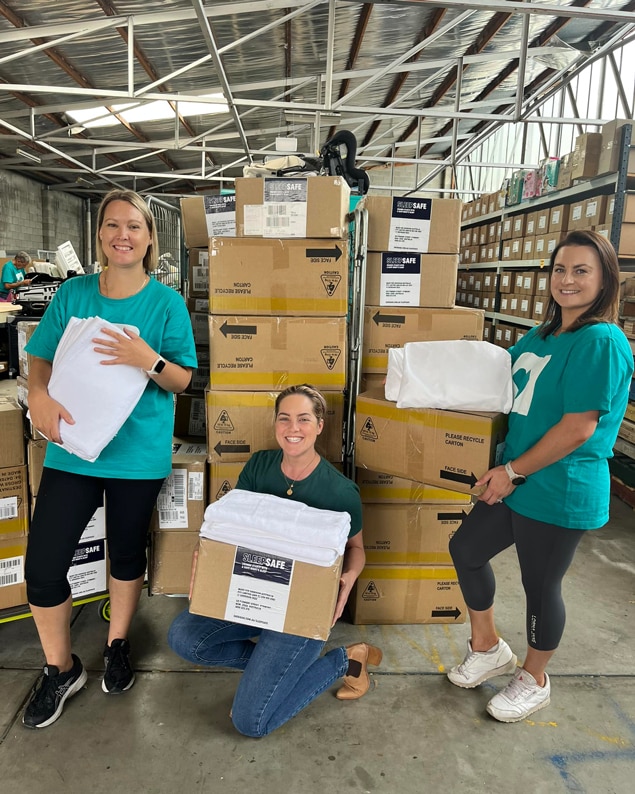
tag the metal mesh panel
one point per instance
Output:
(168, 223)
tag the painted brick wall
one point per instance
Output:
(32, 217)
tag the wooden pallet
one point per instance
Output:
(623, 491)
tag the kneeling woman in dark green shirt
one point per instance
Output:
(283, 673)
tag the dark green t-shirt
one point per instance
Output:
(325, 488)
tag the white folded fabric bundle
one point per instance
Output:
(459, 375)
(394, 374)
(99, 398)
(274, 525)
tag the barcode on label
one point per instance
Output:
(9, 507)
(11, 571)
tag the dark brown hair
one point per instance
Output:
(604, 308)
(306, 390)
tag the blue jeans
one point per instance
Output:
(282, 673)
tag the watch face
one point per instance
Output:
(519, 480)
(159, 367)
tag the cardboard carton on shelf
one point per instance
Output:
(410, 279)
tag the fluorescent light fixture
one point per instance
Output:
(159, 110)
(28, 155)
(83, 181)
(309, 117)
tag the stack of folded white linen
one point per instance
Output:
(99, 398)
(455, 375)
(273, 525)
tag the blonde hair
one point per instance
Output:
(151, 259)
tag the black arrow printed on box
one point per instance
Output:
(470, 479)
(238, 329)
(327, 253)
(443, 613)
(389, 318)
(220, 448)
(452, 516)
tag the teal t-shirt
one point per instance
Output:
(143, 447)
(586, 370)
(10, 274)
(325, 488)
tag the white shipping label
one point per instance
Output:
(195, 486)
(259, 589)
(400, 279)
(8, 507)
(200, 278)
(87, 574)
(576, 213)
(220, 215)
(172, 501)
(196, 425)
(96, 527)
(11, 571)
(284, 207)
(410, 224)
(252, 220)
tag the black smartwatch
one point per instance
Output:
(516, 479)
(157, 367)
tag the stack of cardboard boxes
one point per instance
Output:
(414, 466)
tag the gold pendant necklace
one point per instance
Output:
(104, 283)
(299, 477)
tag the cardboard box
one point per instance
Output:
(25, 332)
(36, 450)
(576, 216)
(12, 583)
(200, 378)
(528, 248)
(519, 223)
(610, 147)
(594, 210)
(377, 487)
(539, 308)
(198, 273)
(564, 172)
(170, 561)
(627, 240)
(410, 534)
(206, 216)
(299, 277)
(506, 281)
(271, 353)
(401, 594)
(189, 416)
(423, 225)
(292, 207)
(14, 501)
(222, 478)
(242, 422)
(542, 283)
(444, 448)
(528, 284)
(586, 155)
(12, 433)
(507, 228)
(410, 279)
(530, 224)
(516, 246)
(386, 328)
(263, 590)
(183, 498)
(200, 328)
(198, 304)
(558, 218)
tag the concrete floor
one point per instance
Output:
(413, 732)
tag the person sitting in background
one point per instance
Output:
(283, 673)
(14, 275)
(571, 380)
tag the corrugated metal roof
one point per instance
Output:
(397, 74)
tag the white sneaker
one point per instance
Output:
(479, 666)
(520, 698)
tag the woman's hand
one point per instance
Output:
(47, 414)
(497, 485)
(347, 580)
(125, 348)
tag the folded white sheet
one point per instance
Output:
(99, 398)
(459, 375)
(274, 525)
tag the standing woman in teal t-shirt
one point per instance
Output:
(571, 383)
(129, 471)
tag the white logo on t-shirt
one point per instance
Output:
(532, 365)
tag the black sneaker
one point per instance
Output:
(119, 675)
(50, 692)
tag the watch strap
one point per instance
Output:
(517, 479)
(157, 367)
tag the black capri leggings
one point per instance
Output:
(545, 552)
(65, 504)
